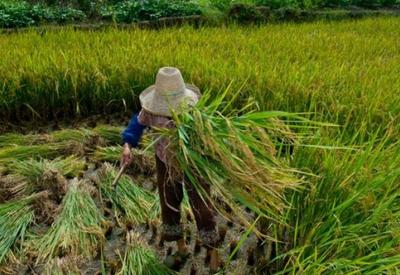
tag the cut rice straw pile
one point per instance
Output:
(77, 231)
(131, 200)
(33, 175)
(20, 147)
(140, 259)
(142, 161)
(15, 217)
(32, 170)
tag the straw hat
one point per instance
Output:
(169, 92)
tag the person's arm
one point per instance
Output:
(131, 137)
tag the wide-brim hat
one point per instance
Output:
(169, 92)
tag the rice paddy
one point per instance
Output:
(338, 210)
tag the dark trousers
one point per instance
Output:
(171, 195)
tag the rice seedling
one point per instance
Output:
(15, 217)
(77, 231)
(140, 259)
(128, 198)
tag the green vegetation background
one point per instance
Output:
(21, 13)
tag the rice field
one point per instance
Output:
(344, 217)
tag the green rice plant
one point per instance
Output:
(128, 198)
(140, 259)
(77, 231)
(345, 220)
(307, 67)
(15, 218)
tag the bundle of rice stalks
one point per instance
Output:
(32, 176)
(33, 170)
(142, 162)
(19, 139)
(63, 265)
(20, 152)
(11, 187)
(15, 217)
(140, 259)
(112, 134)
(128, 198)
(235, 152)
(77, 231)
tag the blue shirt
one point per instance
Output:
(133, 132)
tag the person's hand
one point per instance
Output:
(126, 157)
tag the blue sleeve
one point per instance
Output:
(133, 132)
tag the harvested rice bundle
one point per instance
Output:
(63, 265)
(143, 162)
(40, 175)
(128, 197)
(110, 153)
(20, 152)
(77, 231)
(20, 139)
(32, 170)
(141, 260)
(112, 134)
(11, 187)
(235, 152)
(15, 217)
(79, 135)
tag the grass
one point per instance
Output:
(78, 229)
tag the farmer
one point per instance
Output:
(170, 92)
